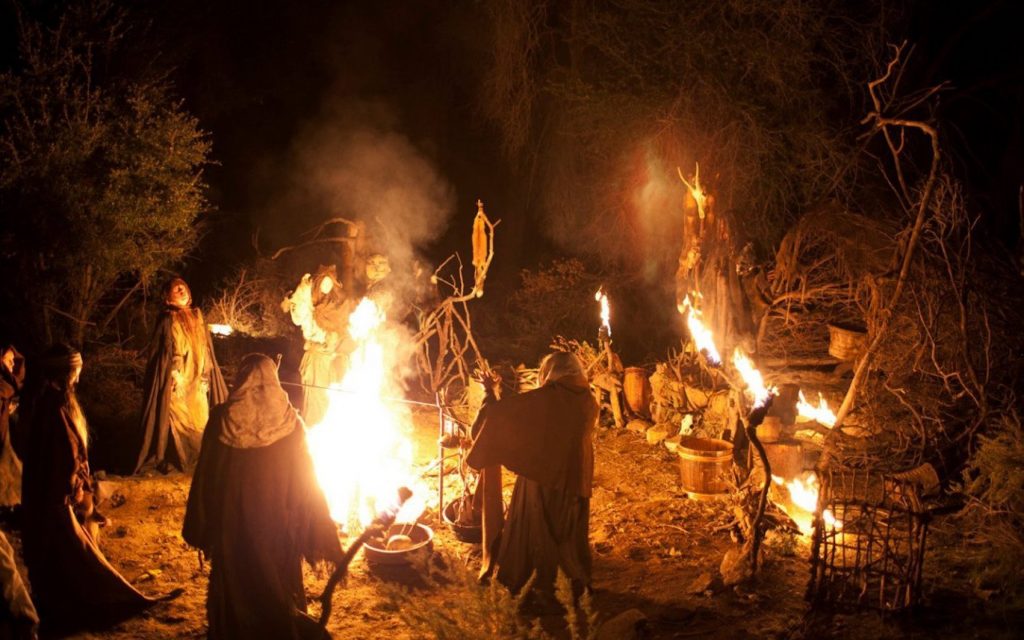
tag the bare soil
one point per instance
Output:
(651, 543)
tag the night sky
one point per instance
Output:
(284, 88)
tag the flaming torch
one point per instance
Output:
(605, 332)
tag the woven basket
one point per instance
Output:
(845, 343)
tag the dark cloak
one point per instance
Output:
(544, 436)
(73, 584)
(256, 512)
(156, 429)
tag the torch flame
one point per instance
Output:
(360, 451)
(702, 338)
(751, 376)
(821, 414)
(602, 297)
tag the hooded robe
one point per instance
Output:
(256, 510)
(10, 465)
(545, 437)
(180, 343)
(73, 584)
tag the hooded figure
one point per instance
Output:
(545, 437)
(182, 382)
(73, 584)
(256, 510)
(12, 376)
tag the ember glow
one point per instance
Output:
(606, 315)
(803, 502)
(821, 414)
(361, 450)
(751, 376)
(702, 338)
(221, 329)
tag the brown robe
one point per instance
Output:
(73, 584)
(256, 510)
(10, 465)
(545, 437)
(170, 418)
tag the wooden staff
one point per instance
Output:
(381, 523)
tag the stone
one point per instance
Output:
(735, 567)
(702, 583)
(628, 625)
(639, 426)
(659, 432)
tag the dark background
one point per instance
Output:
(266, 79)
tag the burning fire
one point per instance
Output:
(702, 338)
(753, 378)
(360, 449)
(602, 297)
(821, 414)
(803, 502)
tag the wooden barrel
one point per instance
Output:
(637, 389)
(704, 466)
(846, 343)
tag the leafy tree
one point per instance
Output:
(100, 174)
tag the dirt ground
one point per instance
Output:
(650, 545)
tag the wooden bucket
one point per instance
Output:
(637, 389)
(704, 466)
(846, 343)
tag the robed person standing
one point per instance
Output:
(318, 306)
(73, 584)
(256, 510)
(545, 437)
(12, 377)
(182, 382)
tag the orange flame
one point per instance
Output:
(606, 315)
(361, 450)
(803, 502)
(755, 383)
(702, 338)
(821, 414)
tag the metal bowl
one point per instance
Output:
(472, 533)
(422, 539)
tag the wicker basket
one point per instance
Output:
(846, 343)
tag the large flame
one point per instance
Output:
(821, 414)
(702, 338)
(755, 382)
(803, 502)
(361, 450)
(606, 314)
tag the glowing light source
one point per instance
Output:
(602, 297)
(361, 450)
(702, 338)
(220, 329)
